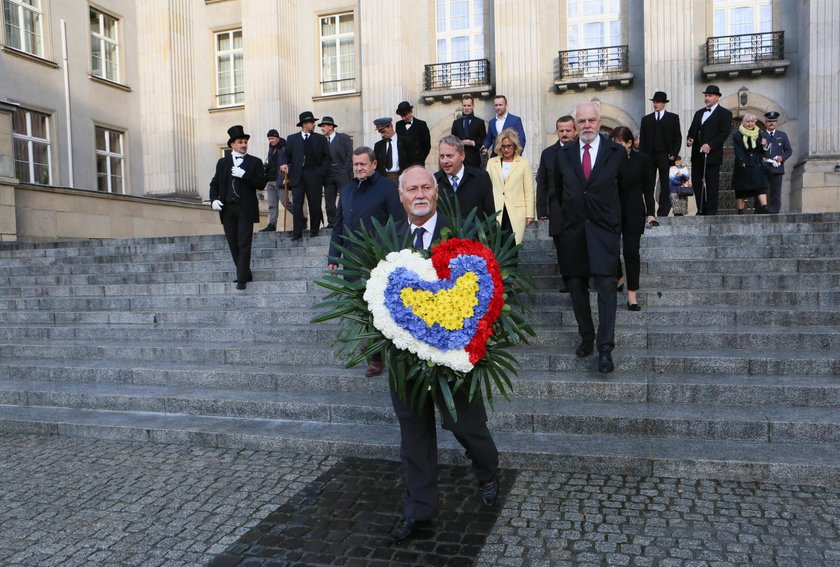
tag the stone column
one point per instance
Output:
(8, 221)
(815, 184)
(167, 72)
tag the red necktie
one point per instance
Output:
(587, 162)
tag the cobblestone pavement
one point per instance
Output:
(74, 502)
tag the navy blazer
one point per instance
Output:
(715, 131)
(293, 154)
(247, 186)
(474, 191)
(512, 121)
(476, 131)
(779, 146)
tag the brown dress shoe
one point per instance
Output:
(375, 369)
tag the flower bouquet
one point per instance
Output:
(443, 320)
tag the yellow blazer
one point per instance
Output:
(516, 195)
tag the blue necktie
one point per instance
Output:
(418, 238)
(454, 180)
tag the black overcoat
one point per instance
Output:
(247, 186)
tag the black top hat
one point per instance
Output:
(328, 120)
(273, 132)
(235, 133)
(772, 115)
(712, 89)
(306, 116)
(404, 108)
(660, 96)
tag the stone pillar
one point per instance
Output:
(167, 72)
(518, 65)
(815, 183)
(8, 220)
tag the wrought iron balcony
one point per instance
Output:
(448, 80)
(598, 67)
(752, 54)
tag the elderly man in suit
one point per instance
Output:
(415, 131)
(502, 120)
(470, 129)
(586, 174)
(660, 138)
(471, 186)
(418, 434)
(306, 160)
(710, 128)
(778, 152)
(341, 166)
(233, 193)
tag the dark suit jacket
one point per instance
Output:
(404, 226)
(779, 146)
(590, 228)
(474, 191)
(667, 140)
(549, 200)
(293, 154)
(247, 186)
(715, 131)
(512, 121)
(419, 137)
(635, 189)
(475, 132)
(407, 154)
(341, 154)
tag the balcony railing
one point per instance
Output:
(457, 75)
(595, 62)
(745, 48)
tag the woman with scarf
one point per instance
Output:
(748, 179)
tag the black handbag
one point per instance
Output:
(685, 191)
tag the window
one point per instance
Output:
(230, 75)
(31, 137)
(104, 46)
(110, 160)
(23, 25)
(593, 23)
(338, 54)
(460, 30)
(736, 17)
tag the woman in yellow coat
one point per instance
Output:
(513, 184)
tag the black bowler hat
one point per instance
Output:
(273, 132)
(235, 133)
(404, 108)
(772, 115)
(306, 117)
(329, 121)
(712, 89)
(660, 96)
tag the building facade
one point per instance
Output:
(136, 97)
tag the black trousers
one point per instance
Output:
(331, 190)
(774, 193)
(631, 243)
(661, 165)
(710, 205)
(418, 447)
(311, 185)
(606, 288)
(239, 232)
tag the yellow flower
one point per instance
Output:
(448, 307)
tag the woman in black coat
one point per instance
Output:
(635, 189)
(748, 178)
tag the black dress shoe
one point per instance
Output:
(489, 491)
(241, 285)
(313, 233)
(330, 225)
(405, 529)
(269, 228)
(585, 348)
(605, 362)
(634, 307)
(297, 237)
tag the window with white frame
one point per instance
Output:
(736, 17)
(230, 73)
(338, 53)
(460, 30)
(110, 161)
(592, 24)
(24, 30)
(104, 46)
(31, 138)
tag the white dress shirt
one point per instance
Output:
(429, 226)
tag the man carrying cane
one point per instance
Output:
(710, 128)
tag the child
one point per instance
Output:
(680, 176)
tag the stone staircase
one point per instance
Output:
(731, 370)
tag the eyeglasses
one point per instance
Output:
(507, 146)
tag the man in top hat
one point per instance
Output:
(275, 146)
(778, 151)
(416, 132)
(394, 153)
(710, 128)
(306, 160)
(233, 193)
(341, 165)
(660, 138)
(471, 130)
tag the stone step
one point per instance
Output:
(788, 463)
(767, 282)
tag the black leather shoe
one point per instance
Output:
(313, 233)
(489, 491)
(585, 348)
(269, 228)
(241, 285)
(405, 529)
(634, 307)
(605, 362)
(297, 237)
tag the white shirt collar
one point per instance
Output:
(459, 175)
(237, 154)
(429, 226)
(593, 149)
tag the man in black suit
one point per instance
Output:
(549, 199)
(586, 172)
(341, 165)
(233, 192)
(471, 130)
(470, 185)
(660, 138)
(416, 132)
(710, 128)
(306, 160)
(394, 153)
(418, 435)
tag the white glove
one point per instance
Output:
(237, 172)
(217, 205)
